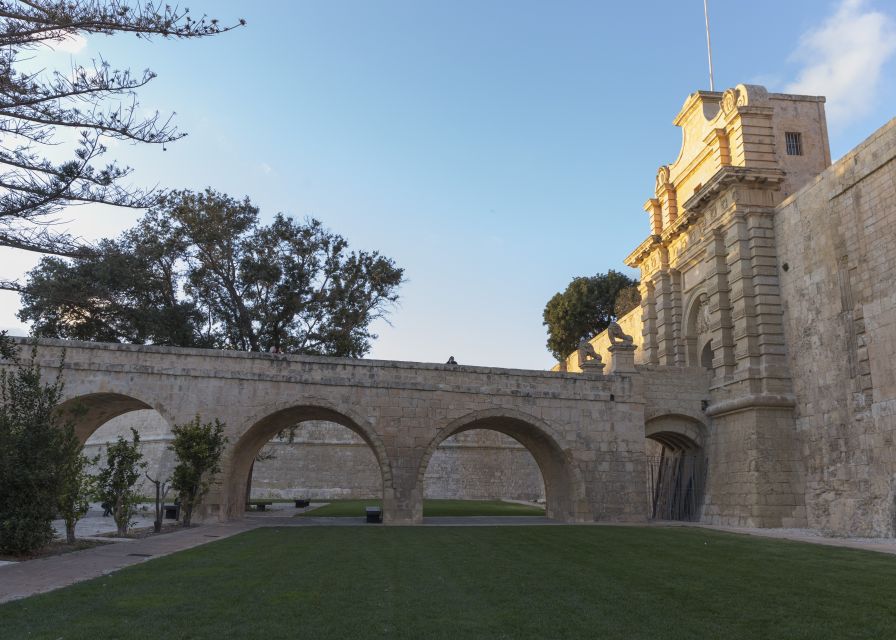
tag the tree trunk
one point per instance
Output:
(70, 532)
(249, 484)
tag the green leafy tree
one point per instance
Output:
(115, 482)
(200, 270)
(76, 485)
(584, 309)
(97, 100)
(198, 447)
(30, 449)
(626, 300)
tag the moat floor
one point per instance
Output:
(476, 582)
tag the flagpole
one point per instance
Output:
(712, 86)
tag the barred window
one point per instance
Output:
(794, 142)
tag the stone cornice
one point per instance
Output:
(725, 177)
(642, 250)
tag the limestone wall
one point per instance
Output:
(155, 435)
(328, 461)
(837, 269)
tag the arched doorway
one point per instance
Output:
(676, 468)
(563, 486)
(246, 450)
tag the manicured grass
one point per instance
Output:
(431, 508)
(478, 582)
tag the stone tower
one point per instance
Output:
(710, 289)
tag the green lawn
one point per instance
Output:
(478, 582)
(432, 508)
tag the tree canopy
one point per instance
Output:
(200, 270)
(97, 100)
(585, 308)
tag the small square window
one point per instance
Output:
(794, 142)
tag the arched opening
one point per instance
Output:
(480, 464)
(246, 450)
(89, 412)
(676, 468)
(317, 461)
(99, 419)
(563, 487)
(706, 356)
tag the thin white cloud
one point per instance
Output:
(266, 168)
(843, 59)
(69, 43)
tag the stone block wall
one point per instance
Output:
(326, 461)
(837, 269)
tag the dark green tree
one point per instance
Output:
(115, 482)
(198, 447)
(200, 270)
(626, 300)
(76, 484)
(584, 309)
(96, 99)
(30, 450)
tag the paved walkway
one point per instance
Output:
(22, 579)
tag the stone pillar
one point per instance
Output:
(622, 358)
(594, 367)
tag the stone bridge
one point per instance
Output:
(587, 432)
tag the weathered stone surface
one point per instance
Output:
(326, 461)
(585, 434)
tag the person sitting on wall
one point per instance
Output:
(451, 361)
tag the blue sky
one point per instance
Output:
(494, 149)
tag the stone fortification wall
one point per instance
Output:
(328, 461)
(837, 269)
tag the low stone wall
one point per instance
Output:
(327, 461)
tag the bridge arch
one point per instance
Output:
(280, 417)
(563, 483)
(91, 411)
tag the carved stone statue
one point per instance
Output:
(617, 335)
(587, 354)
(703, 317)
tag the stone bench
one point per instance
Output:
(259, 506)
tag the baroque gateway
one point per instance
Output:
(760, 374)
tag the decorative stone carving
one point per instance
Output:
(730, 100)
(703, 317)
(618, 336)
(663, 179)
(589, 359)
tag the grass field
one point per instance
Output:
(431, 508)
(478, 582)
